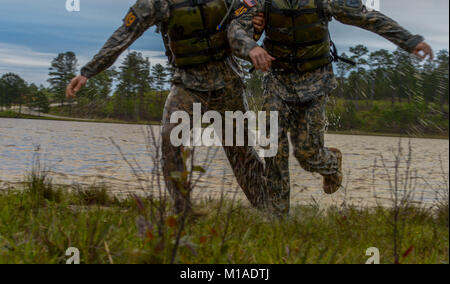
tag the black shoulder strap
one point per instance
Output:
(190, 3)
(158, 12)
(267, 11)
(336, 56)
(320, 11)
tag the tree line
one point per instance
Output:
(134, 91)
(385, 91)
(381, 81)
(392, 92)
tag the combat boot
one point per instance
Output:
(333, 183)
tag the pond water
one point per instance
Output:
(83, 153)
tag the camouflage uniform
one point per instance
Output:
(216, 85)
(301, 98)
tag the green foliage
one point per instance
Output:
(63, 69)
(387, 92)
(94, 195)
(119, 234)
(39, 101)
(39, 186)
(12, 90)
(414, 118)
(99, 87)
(159, 76)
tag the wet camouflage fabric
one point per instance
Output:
(217, 85)
(301, 98)
(238, 34)
(246, 164)
(306, 123)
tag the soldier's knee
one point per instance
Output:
(304, 154)
(166, 129)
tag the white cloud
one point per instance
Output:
(33, 66)
(14, 55)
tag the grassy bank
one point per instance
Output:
(37, 225)
(415, 118)
(12, 114)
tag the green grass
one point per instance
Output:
(37, 225)
(12, 114)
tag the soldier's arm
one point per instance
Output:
(241, 37)
(353, 12)
(142, 15)
(240, 32)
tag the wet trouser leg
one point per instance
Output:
(308, 138)
(172, 157)
(277, 167)
(306, 123)
(246, 164)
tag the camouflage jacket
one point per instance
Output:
(207, 77)
(241, 35)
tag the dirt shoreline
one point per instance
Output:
(113, 121)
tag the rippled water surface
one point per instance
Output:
(82, 153)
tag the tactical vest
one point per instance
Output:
(193, 34)
(298, 36)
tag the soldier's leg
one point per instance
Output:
(247, 167)
(308, 139)
(179, 99)
(277, 167)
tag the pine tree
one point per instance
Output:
(159, 73)
(13, 90)
(134, 81)
(63, 69)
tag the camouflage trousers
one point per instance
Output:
(248, 168)
(307, 122)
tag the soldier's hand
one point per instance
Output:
(423, 50)
(259, 22)
(261, 59)
(75, 86)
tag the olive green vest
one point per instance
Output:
(193, 34)
(297, 36)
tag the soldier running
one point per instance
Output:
(205, 72)
(301, 78)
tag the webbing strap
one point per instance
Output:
(206, 52)
(303, 60)
(296, 45)
(190, 3)
(294, 12)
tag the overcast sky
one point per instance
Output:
(32, 32)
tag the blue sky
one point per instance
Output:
(32, 32)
